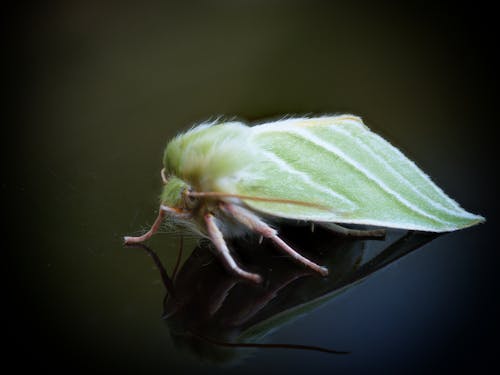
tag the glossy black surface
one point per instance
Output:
(99, 89)
(208, 311)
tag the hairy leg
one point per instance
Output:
(223, 251)
(374, 233)
(154, 228)
(254, 223)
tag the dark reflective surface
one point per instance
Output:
(96, 91)
(208, 311)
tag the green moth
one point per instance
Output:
(225, 179)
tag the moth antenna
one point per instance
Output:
(215, 194)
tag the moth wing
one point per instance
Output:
(347, 174)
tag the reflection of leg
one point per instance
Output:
(219, 293)
(253, 305)
(253, 222)
(377, 233)
(146, 236)
(223, 251)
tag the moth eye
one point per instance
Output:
(189, 199)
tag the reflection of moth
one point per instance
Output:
(222, 178)
(213, 315)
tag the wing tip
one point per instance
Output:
(467, 221)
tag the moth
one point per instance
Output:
(223, 179)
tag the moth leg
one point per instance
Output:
(223, 251)
(253, 222)
(146, 236)
(377, 233)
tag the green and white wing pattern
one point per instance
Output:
(338, 163)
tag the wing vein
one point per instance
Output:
(282, 164)
(401, 179)
(333, 149)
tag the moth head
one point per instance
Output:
(175, 197)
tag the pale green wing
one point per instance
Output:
(358, 177)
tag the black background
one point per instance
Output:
(93, 91)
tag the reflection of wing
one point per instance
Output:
(349, 275)
(210, 307)
(339, 163)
